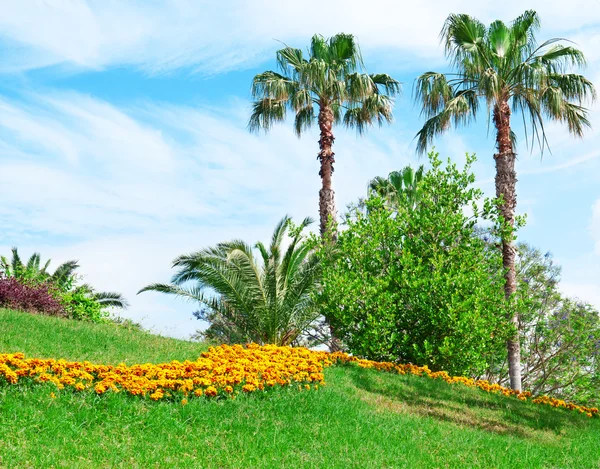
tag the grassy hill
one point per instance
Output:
(362, 418)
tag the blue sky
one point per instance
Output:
(123, 137)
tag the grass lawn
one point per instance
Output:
(361, 418)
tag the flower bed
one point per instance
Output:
(224, 372)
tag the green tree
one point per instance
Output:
(265, 300)
(398, 185)
(418, 286)
(560, 337)
(329, 86)
(504, 65)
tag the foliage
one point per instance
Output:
(560, 337)
(80, 304)
(398, 184)
(331, 76)
(249, 300)
(30, 297)
(78, 301)
(33, 271)
(418, 286)
(503, 63)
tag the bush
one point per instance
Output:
(80, 304)
(35, 298)
(415, 283)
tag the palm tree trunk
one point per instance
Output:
(326, 194)
(506, 179)
(326, 157)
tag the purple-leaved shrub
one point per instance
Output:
(36, 298)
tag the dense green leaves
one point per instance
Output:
(418, 285)
(244, 299)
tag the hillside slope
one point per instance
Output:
(362, 418)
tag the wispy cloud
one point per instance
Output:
(212, 37)
(143, 184)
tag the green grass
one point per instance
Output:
(49, 337)
(360, 419)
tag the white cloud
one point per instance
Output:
(212, 37)
(144, 184)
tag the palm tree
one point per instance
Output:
(505, 66)
(264, 301)
(63, 277)
(329, 86)
(398, 185)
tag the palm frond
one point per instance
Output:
(111, 299)
(344, 51)
(385, 81)
(523, 30)
(64, 272)
(273, 86)
(265, 113)
(16, 263)
(433, 91)
(435, 125)
(290, 58)
(304, 119)
(190, 294)
(463, 38)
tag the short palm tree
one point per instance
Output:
(266, 300)
(398, 185)
(330, 87)
(504, 65)
(63, 277)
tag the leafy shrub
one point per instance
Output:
(415, 283)
(80, 304)
(31, 297)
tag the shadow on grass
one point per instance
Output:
(463, 406)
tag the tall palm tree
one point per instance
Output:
(329, 86)
(398, 185)
(504, 65)
(266, 300)
(63, 277)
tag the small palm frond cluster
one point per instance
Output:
(331, 76)
(399, 185)
(33, 270)
(504, 64)
(266, 300)
(63, 278)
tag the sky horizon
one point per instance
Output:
(124, 143)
